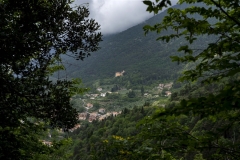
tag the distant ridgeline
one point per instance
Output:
(142, 56)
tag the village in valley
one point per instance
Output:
(98, 105)
(104, 102)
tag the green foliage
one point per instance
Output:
(113, 96)
(94, 140)
(33, 36)
(131, 94)
(58, 151)
(221, 56)
(214, 63)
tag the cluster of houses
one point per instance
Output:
(167, 86)
(148, 95)
(102, 94)
(160, 87)
(99, 115)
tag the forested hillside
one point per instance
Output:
(133, 52)
(30, 45)
(88, 140)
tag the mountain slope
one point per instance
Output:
(131, 51)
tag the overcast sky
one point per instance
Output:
(116, 15)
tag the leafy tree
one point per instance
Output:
(216, 62)
(33, 36)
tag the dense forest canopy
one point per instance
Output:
(33, 35)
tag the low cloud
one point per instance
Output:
(116, 15)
